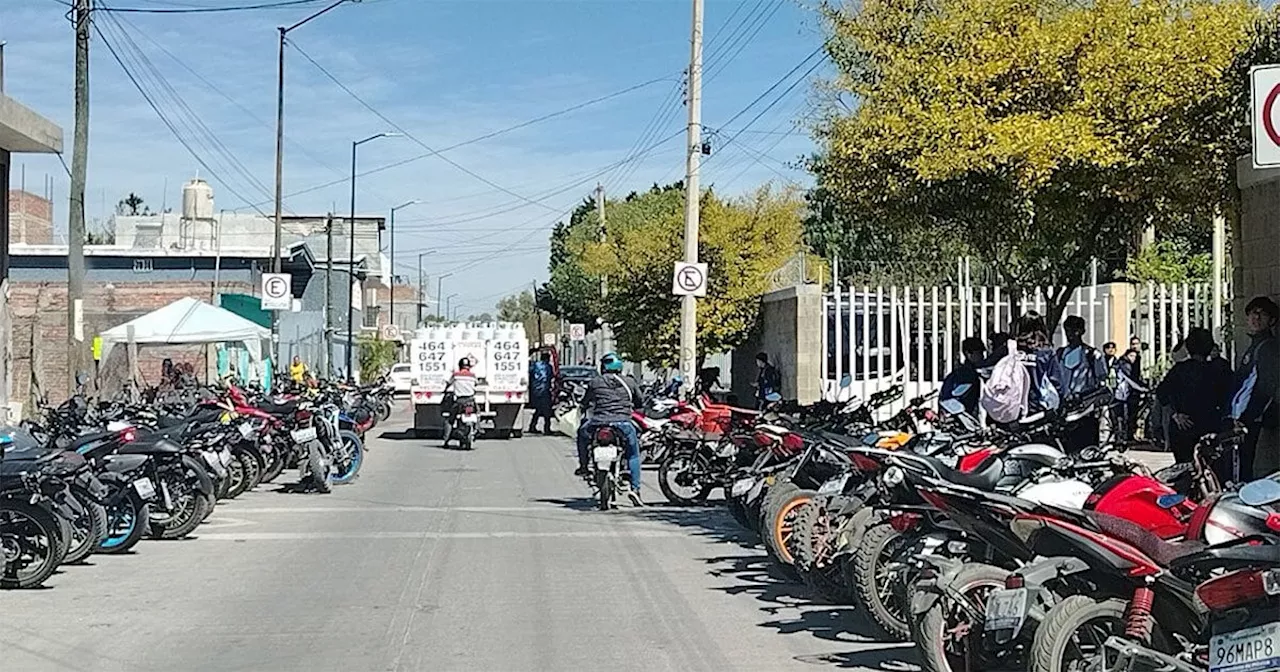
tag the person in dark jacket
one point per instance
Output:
(1124, 412)
(540, 392)
(1048, 380)
(1253, 405)
(768, 380)
(610, 399)
(1086, 373)
(1197, 392)
(964, 384)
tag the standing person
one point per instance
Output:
(1124, 413)
(964, 384)
(1139, 376)
(1086, 373)
(1197, 392)
(1253, 404)
(1109, 358)
(768, 380)
(609, 400)
(1048, 380)
(540, 383)
(297, 370)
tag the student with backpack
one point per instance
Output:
(1028, 379)
(1086, 373)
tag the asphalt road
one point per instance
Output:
(437, 560)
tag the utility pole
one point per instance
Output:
(604, 282)
(75, 219)
(421, 294)
(537, 313)
(277, 248)
(328, 297)
(693, 160)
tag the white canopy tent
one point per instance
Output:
(188, 321)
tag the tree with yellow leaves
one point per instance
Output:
(741, 240)
(1038, 133)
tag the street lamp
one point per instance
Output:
(393, 254)
(276, 248)
(422, 293)
(440, 293)
(351, 248)
(449, 302)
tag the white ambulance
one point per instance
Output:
(499, 352)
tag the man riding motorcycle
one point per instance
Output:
(463, 385)
(610, 398)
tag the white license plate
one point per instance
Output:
(1006, 609)
(1249, 650)
(605, 454)
(303, 435)
(833, 486)
(246, 430)
(471, 419)
(742, 486)
(145, 488)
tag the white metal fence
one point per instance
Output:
(911, 335)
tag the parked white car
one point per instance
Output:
(401, 378)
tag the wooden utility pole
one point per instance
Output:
(75, 218)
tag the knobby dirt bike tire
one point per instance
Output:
(816, 528)
(781, 528)
(879, 544)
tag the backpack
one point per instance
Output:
(1004, 396)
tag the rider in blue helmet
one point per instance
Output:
(610, 398)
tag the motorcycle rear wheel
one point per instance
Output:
(940, 650)
(605, 486)
(28, 529)
(127, 522)
(679, 463)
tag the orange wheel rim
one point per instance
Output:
(784, 527)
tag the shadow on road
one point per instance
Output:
(890, 658)
(402, 435)
(574, 503)
(704, 521)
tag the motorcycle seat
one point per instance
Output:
(983, 477)
(152, 444)
(93, 437)
(283, 408)
(1161, 551)
(123, 464)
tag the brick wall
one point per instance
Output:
(39, 313)
(30, 218)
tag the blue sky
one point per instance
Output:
(446, 71)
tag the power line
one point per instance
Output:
(279, 4)
(481, 138)
(165, 119)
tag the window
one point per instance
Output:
(371, 317)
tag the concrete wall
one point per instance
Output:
(789, 329)
(1255, 244)
(39, 314)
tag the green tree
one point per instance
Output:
(1036, 134)
(742, 241)
(376, 356)
(523, 308)
(570, 292)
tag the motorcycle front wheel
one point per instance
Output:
(681, 478)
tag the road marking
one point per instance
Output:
(318, 536)
(399, 509)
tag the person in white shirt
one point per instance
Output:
(463, 385)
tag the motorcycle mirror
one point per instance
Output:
(1261, 492)
(773, 397)
(952, 406)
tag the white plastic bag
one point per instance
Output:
(1004, 396)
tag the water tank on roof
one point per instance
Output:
(197, 200)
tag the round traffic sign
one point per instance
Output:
(276, 288)
(1267, 110)
(689, 278)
